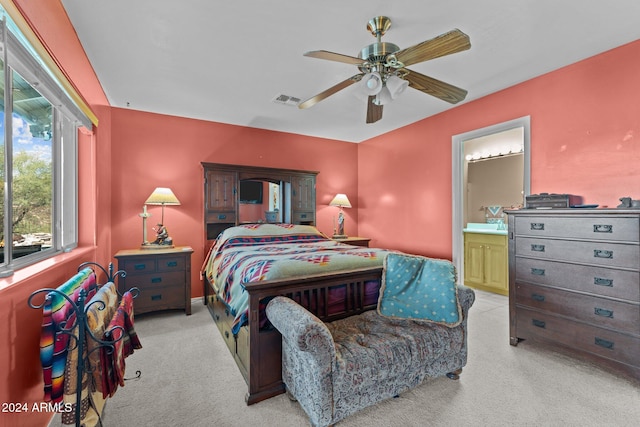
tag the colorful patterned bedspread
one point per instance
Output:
(257, 252)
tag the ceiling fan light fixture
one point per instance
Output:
(384, 96)
(372, 83)
(395, 85)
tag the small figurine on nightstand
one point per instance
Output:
(162, 236)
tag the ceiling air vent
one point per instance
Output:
(286, 100)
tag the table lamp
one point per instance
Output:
(160, 196)
(341, 201)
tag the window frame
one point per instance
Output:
(67, 119)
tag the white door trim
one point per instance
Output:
(457, 155)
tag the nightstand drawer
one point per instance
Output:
(156, 279)
(170, 264)
(355, 241)
(139, 266)
(153, 298)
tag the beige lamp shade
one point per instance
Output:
(340, 200)
(162, 196)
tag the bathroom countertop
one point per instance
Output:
(484, 228)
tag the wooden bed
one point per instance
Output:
(257, 351)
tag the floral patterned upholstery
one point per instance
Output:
(338, 368)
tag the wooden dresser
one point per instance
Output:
(574, 280)
(163, 277)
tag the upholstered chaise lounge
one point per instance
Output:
(338, 368)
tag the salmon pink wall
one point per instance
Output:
(20, 376)
(585, 140)
(151, 150)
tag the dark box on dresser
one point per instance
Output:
(550, 201)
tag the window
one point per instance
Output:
(38, 157)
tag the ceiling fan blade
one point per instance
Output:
(328, 92)
(331, 56)
(445, 44)
(434, 87)
(374, 111)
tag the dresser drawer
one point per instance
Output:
(602, 312)
(591, 228)
(601, 342)
(603, 281)
(599, 253)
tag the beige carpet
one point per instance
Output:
(189, 379)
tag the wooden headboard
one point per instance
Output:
(297, 196)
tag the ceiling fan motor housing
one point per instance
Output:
(377, 52)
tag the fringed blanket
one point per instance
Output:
(419, 288)
(259, 252)
(125, 339)
(58, 313)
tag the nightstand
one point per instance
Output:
(355, 241)
(163, 277)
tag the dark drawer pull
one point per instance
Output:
(537, 297)
(604, 343)
(156, 297)
(222, 216)
(601, 228)
(537, 248)
(600, 253)
(156, 279)
(217, 317)
(139, 266)
(303, 215)
(602, 282)
(226, 334)
(537, 271)
(537, 226)
(538, 323)
(172, 263)
(603, 312)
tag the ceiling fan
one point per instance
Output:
(383, 69)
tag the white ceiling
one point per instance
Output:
(227, 61)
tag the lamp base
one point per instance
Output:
(155, 246)
(340, 236)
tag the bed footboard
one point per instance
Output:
(258, 349)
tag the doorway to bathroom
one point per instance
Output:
(488, 165)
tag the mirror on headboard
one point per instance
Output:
(287, 196)
(260, 201)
